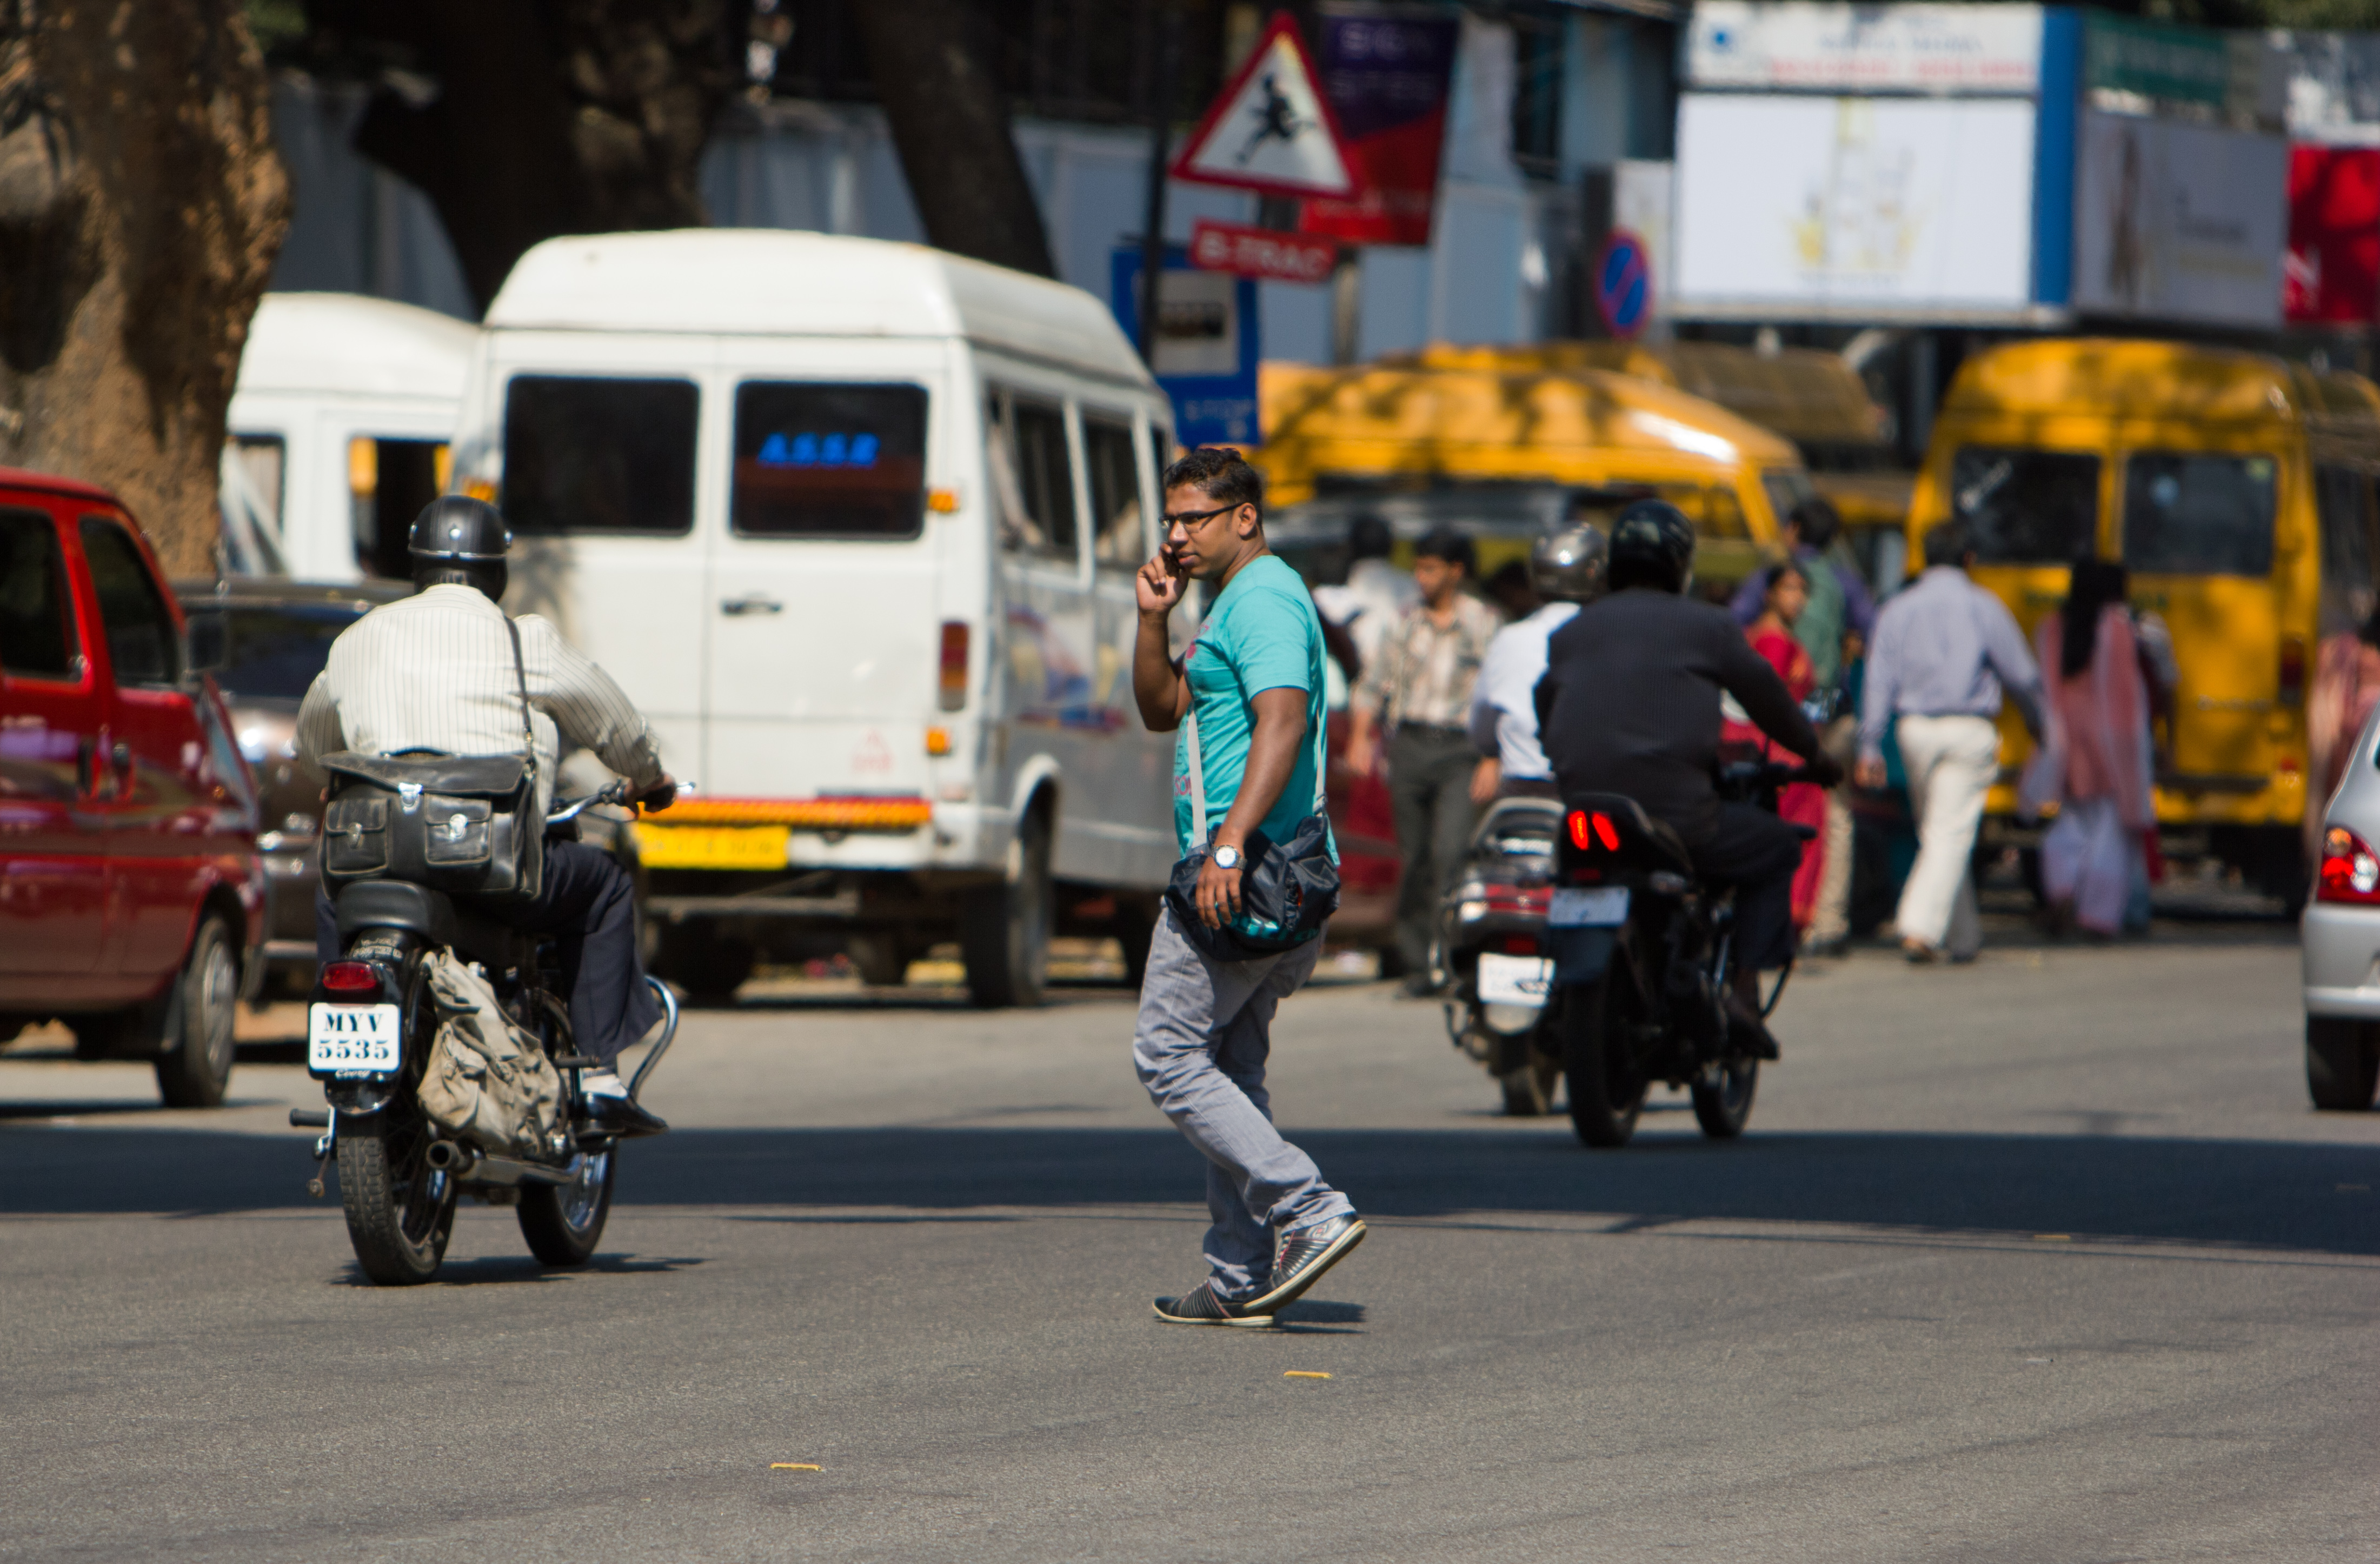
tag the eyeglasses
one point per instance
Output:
(1196, 518)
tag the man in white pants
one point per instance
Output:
(1945, 652)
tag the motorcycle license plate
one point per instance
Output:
(353, 1040)
(1514, 980)
(1593, 906)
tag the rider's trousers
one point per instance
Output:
(1756, 853)
(589, 905)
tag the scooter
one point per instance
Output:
(1488, 954)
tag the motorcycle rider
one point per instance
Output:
(1630, 704)
(435, 672)
(1566, 570)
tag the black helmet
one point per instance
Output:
(1567, 566)
(1652, 544)
(458, 528)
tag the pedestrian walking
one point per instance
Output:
(1417, 691)
(1566, 569)
(1248, 695)
(1946, 652)
(2094, 761)
(1835, 625)
(1785, 592)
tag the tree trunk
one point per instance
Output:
(142, 204)
(573, 117)
(950, 123)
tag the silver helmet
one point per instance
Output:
(1567, 566)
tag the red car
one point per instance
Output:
(131, 895)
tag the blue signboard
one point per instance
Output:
(1623, 285)
(1206, 344)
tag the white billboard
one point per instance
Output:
(1899, 207)
(1919, 48)
(2178, 221)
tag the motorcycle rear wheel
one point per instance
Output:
(399, 1209)
(565, 1222)
(1606, 1089)
(1724, 1107)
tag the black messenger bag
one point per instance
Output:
(1287, 889)
(465, 824)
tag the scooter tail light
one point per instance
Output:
(1607, 833)
(1580, 835)
(350, 977)
(2350, 870)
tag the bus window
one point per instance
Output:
(1723, 514)
(2194, 513)
(2343, 502)
(2026, 507)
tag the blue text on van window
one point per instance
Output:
(810, 449)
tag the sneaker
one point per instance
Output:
(1302, 1254)
(1203, 1306)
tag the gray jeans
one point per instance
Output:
(1200, 1044)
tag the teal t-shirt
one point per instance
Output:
(1261, 634)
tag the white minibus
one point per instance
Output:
(339, 425)
(855, 523)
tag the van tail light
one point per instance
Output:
(350, 977)
(955, 664)
(2294, 671)
(2349, 871)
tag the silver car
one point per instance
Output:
(2341, 938)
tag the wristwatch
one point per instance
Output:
(1227, 857)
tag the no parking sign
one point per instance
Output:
(1623, 285)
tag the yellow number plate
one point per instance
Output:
(711, 847)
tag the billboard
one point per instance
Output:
(1918, 48)
(2178, 221)
(2332, 272)
(1385, 71)
(1811, 205)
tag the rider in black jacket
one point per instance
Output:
(1630, 704)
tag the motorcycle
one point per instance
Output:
(1489, 955)
(371, 1027)
(1643, 962)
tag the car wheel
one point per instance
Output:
(195, 1070)
(2342, 1062)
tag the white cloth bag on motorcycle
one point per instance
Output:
(488, 1082)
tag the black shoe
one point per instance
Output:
(624, 1116)
(1750, 1034)
(1302, 1254)
(1203, 1306)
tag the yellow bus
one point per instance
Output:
(2236, 489)
(1390, 428)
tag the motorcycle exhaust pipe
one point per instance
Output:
(451, 1156)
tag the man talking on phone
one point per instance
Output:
(1252, 683)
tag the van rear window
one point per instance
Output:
(819, 460)
(599, 454)
(2194, 513)
(2026, 507)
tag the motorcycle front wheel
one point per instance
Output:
(1723, 1096)
(1606, 1086)
(565, 1222)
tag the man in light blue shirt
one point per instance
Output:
(1250, 689)
(1946, 651)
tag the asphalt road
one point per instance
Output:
(2044, 1258)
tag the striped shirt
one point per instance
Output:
(435, 671)
(1427, 674)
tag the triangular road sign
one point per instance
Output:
(1271, 130)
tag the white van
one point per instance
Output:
(855, 523)
(339, 428)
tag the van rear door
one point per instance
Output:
(822, 603)
(2199, 543)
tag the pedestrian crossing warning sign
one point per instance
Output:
(1271, 131)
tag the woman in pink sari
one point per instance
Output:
(1786, 592)
(2093, 760)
